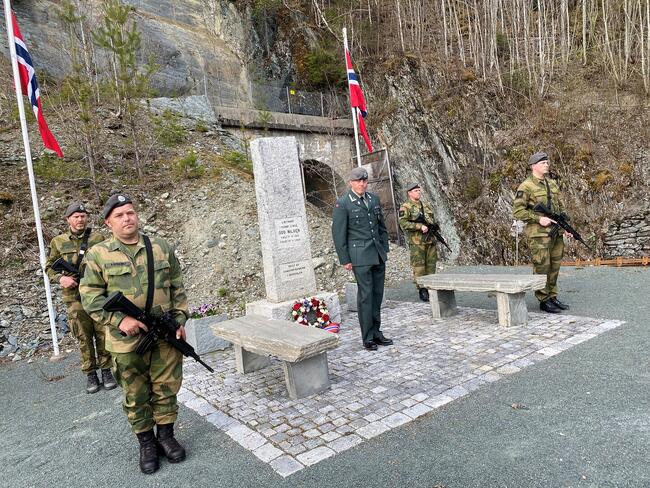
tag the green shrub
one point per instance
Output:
(53, 168)
(201, 127)
(239, 160)
(168, 128)
(189, 166)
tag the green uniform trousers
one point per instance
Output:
(370, 293)
(423, 259)
(91, 336)
(150, 383)
(547, 255)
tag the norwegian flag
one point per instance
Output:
(29, 87)
(357, 101)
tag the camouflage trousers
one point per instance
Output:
(423, 259)
(547, 255)
(150, 383)
(91, 337)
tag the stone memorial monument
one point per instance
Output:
(286, 251)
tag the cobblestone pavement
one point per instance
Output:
(433, 362)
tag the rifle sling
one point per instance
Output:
(82, 248)
(150, 274)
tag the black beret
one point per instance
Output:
(537, 157)
(75, 207)
(113, 202)
(412, 186)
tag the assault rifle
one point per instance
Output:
(561, 221)
(62, 266)
(163, 327)
(434, 231)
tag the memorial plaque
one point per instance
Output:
(298, 270)
(289, 232)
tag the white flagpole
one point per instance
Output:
(354, 109)
(30, 172)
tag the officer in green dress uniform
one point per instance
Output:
(547, 247)
(361, 242)
(152, 380)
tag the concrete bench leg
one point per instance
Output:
(247, 361)
(512, 309)
(443, 303)
(307, 377)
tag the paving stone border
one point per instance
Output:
(433, 362)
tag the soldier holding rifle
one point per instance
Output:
(148, 273)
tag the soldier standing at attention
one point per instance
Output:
(151, 381)
(361, 241)
(72, 246)
(424, 255)
(545, 239)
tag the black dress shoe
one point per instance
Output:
(424, 294)
(549, 306)
(383, 341)
(558, 303)
(371, 346)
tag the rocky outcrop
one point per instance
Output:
(629, 237)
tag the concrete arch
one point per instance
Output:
(323, 185)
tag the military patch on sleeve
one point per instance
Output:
(520, 194)
(337, 205)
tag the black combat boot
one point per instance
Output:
(549, 306)
(424, 294)
(558, 303)
(169, 446)
(148, 452)
(108, 380)
(92, 385)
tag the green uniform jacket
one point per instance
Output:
(408, 213)
(531, 192)
(359, 232)
(110, 267)
(67, 246)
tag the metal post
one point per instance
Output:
(288, 100)
(322, 105)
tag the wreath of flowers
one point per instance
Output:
(301, 309)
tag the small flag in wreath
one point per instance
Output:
(312, 312)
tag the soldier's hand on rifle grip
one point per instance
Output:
(180, 332)
(68, 282)
(545, 221)
(131, 326)
(424, 229)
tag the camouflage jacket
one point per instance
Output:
(110, 267)
(531, 192)
(67, 246)
(408, 214)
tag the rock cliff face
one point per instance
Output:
(198, 44)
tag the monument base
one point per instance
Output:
(199, 335)
(282, 310)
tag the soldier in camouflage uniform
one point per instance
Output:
(150, 381)
(424, 255)
(545, 240)
(71, 246)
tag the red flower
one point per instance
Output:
(314, 302)
(326, 318)
(296, 306)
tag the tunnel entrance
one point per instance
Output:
(322, 184)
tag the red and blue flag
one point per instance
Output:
(29, 87)
(357, 101)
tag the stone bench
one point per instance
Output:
(510, 290)
(302, 350)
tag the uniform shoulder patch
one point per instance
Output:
(402, 213)
(520, 194)
(337, 205)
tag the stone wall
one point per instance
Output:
(629, 237)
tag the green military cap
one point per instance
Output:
(75, 207)
(113, 202)
(412, 186)
(358, 173)
(537, 157)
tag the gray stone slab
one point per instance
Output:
(443, 303)
(511, 309)
(200, 336)
(505, 283)
(286, 340)
(247, 362)
(307, 377)
(286, 250)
